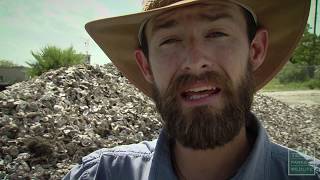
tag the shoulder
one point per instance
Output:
(145, 148)
(285, 161)
(107, 162)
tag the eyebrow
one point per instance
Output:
(205, 17)
(213, 17)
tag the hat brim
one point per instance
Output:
(285, 21)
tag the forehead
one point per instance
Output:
(203, 11)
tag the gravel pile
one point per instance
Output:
(296, 127)
(48, 123)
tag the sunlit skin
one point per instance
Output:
(195, 40)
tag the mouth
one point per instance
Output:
(200, 95)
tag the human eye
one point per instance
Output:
(215, 34)
(169, 41)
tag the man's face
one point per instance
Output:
(202, 79)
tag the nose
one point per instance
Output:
(196, 60)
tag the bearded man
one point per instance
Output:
(201, 61)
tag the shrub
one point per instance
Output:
(293, 73)
(313, 84)
(317, 73)
(52, 57)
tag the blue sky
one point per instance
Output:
(29, 25)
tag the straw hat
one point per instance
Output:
(285, 21)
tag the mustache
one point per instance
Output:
(210, 77)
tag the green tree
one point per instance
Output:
(7, 63)
(52, 57)
(307, 52)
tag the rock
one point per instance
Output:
(23, 156)
(47, 124)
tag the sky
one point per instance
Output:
(27, 26)
(30, 25)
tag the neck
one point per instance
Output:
(218, 163)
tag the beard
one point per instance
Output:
(205, 127)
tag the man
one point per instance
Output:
(201, 62)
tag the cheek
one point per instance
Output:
(230, 56)
(164, 68)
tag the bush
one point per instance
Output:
(313, 84)
(317, 73)
(293, 73)
(52, 57)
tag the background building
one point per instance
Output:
(11, 75)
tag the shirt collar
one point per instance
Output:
(253, 168)
(162, 167)
(256, 164)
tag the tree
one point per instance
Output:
(52, 57)
(307, 52)
(7, 63)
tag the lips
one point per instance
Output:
(199, 92)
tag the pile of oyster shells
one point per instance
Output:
(48, 123)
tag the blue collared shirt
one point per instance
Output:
(151, 160)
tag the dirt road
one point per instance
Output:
(309, 97)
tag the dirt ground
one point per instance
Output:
(308, 97)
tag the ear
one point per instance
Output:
(258, 48)
(144, 65)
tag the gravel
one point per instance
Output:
(48, 123)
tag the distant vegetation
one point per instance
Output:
(52, 57)
(7, 63)
(303, 70)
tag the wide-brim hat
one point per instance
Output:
(285, 21)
